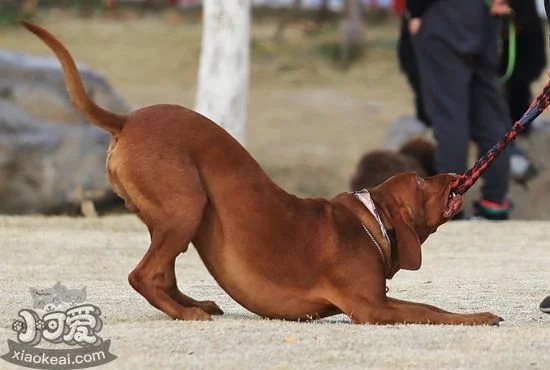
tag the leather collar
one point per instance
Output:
(365, 198)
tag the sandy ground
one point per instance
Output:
(467, 267)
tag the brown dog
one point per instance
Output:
(423, 150)
(375, 167)
(277, 255)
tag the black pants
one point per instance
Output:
(463, 98)
(530, 64)
(408, 64)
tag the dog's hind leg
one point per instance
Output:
(207, 306)
(155, 279)
(172, 207)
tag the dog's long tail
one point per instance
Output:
(109, 121)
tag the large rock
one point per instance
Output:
(36, 85)
(51, 159)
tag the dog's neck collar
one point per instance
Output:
(365, 198)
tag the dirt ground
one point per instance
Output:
(467, 267)
(309, 121)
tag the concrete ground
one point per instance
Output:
(468, 266)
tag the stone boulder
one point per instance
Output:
(51, 160)
(35, 85)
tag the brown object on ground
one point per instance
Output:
(377, 166)
(423, 151)
(190, 181)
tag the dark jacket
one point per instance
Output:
(416, 8)
(466, 26)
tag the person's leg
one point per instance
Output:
(490, 121)
(444, 81)
(529, 64)
(419, 104)
(408, 64)
(519, 97)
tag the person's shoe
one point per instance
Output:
(487, 210)
(545, 305)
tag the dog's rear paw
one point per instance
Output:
(210, 307)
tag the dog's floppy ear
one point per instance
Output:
(408, 241)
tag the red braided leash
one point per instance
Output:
(466, 180)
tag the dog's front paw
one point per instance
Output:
(487, 318)
(210, 307)
(193, 314)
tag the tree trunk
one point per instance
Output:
(351, 29)
(223, 79)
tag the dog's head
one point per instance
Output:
(412, 208)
